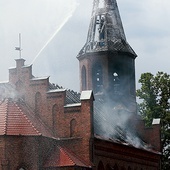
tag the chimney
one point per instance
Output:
(20, 62)
(156, 134)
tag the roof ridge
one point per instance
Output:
(61, 156)
(3, 117)
(6, 115)
(70, 154)
(66, 153)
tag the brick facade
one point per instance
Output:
(124, 157)
(70, 126)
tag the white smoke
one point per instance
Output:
(7, 90)
(114, 121)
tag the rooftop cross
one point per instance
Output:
(19, 48)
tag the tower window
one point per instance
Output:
(73, 124)
(38, 103)
(84, 85)
(54, 118)
(97, 78)
(19, 88)
(116, 83)
(100, 29)
(19, 85)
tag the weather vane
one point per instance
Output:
(19, 48)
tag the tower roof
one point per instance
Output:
(106, 31)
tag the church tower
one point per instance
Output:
(107, 62)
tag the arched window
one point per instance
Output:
(100, 29)
(84, 79)
(38, 103)
(73, 124)
(19, 85)
(132, 79)
(100, 166)
(116, 83)
(54, 118)
(97, 77)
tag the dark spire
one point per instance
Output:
(106, 32)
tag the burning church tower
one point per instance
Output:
(107, 66)
(107, 60)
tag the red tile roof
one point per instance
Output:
(62, 157)
(13, 121)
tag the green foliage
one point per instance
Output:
(155, 95)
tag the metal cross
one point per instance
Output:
(19, 48)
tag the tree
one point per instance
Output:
(155, 95)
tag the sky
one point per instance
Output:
(54, 31)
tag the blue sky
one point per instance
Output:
(64, 25)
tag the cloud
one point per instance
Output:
(147, 30)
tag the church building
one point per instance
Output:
(46, 127)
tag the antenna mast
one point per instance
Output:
(19, 48)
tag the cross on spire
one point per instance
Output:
(19, 48)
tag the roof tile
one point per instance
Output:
(62, 157)
(13, 121)
(3, 110)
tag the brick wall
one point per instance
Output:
(54, 112)
(80, 142)
(151, 135)
(27, 152)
